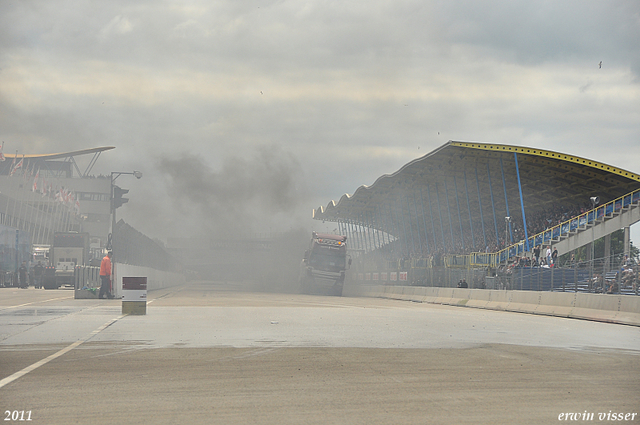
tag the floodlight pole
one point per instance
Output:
(507, 220)
(594, 201)
(114, 176)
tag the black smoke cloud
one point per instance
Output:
(257, 194)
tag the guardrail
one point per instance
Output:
(87, 277)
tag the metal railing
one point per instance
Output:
(87, 277)
(564, 229)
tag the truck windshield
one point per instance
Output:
(323, 256)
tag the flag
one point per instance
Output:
(71, 201)
(43, 187)
(16, 167)
(13, 164)
(35, 181)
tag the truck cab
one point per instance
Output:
(325, 263)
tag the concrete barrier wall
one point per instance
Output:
(622, 309)
(556, 303)
(498, 300)
(524, 301)
(156, 279)
(479, 298)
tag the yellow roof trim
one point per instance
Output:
(59, 155)
(548, 154)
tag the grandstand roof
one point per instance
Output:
(66, 160)
(61, 155)
(461, 183)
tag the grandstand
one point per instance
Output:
(41, 194)
(470, 209)
(45, 193)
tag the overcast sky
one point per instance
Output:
(281, 106)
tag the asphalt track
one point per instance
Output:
(212, 353)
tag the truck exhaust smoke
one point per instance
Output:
(245, 218)
(250, 195)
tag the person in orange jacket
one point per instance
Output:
(105, 276)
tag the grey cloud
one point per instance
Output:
(335, 77)
(535, 32)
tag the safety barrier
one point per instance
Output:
(620, 309)
(556, 303)
(86, 282)
(156, 279)
(498, 300)
(479, 299)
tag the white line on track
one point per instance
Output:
(44, 361)
(35, 302)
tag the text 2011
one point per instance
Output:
(17, 415)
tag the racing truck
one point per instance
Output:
(325, 263)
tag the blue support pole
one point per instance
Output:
(446, 192)
(484, 235)
(413, 242)
(365, 234)
(354, 235)
(524, 218)
(375, 222)
(376, 235)
(506, 201)
(455, 186)
(493, 205)
(396, 231)
(404, 228)
(444, 244)
(386, 226)
(368, 233)
(466, 189)
(424, 223)
(378, 227)
(373, 232)
(433, 224)
(387, 243)
(415, 208)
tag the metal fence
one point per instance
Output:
(87, 277)
(134, 248)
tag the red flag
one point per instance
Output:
(16, 167)
(35, 181)
(43, 188)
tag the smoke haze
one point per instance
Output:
(247, 195)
